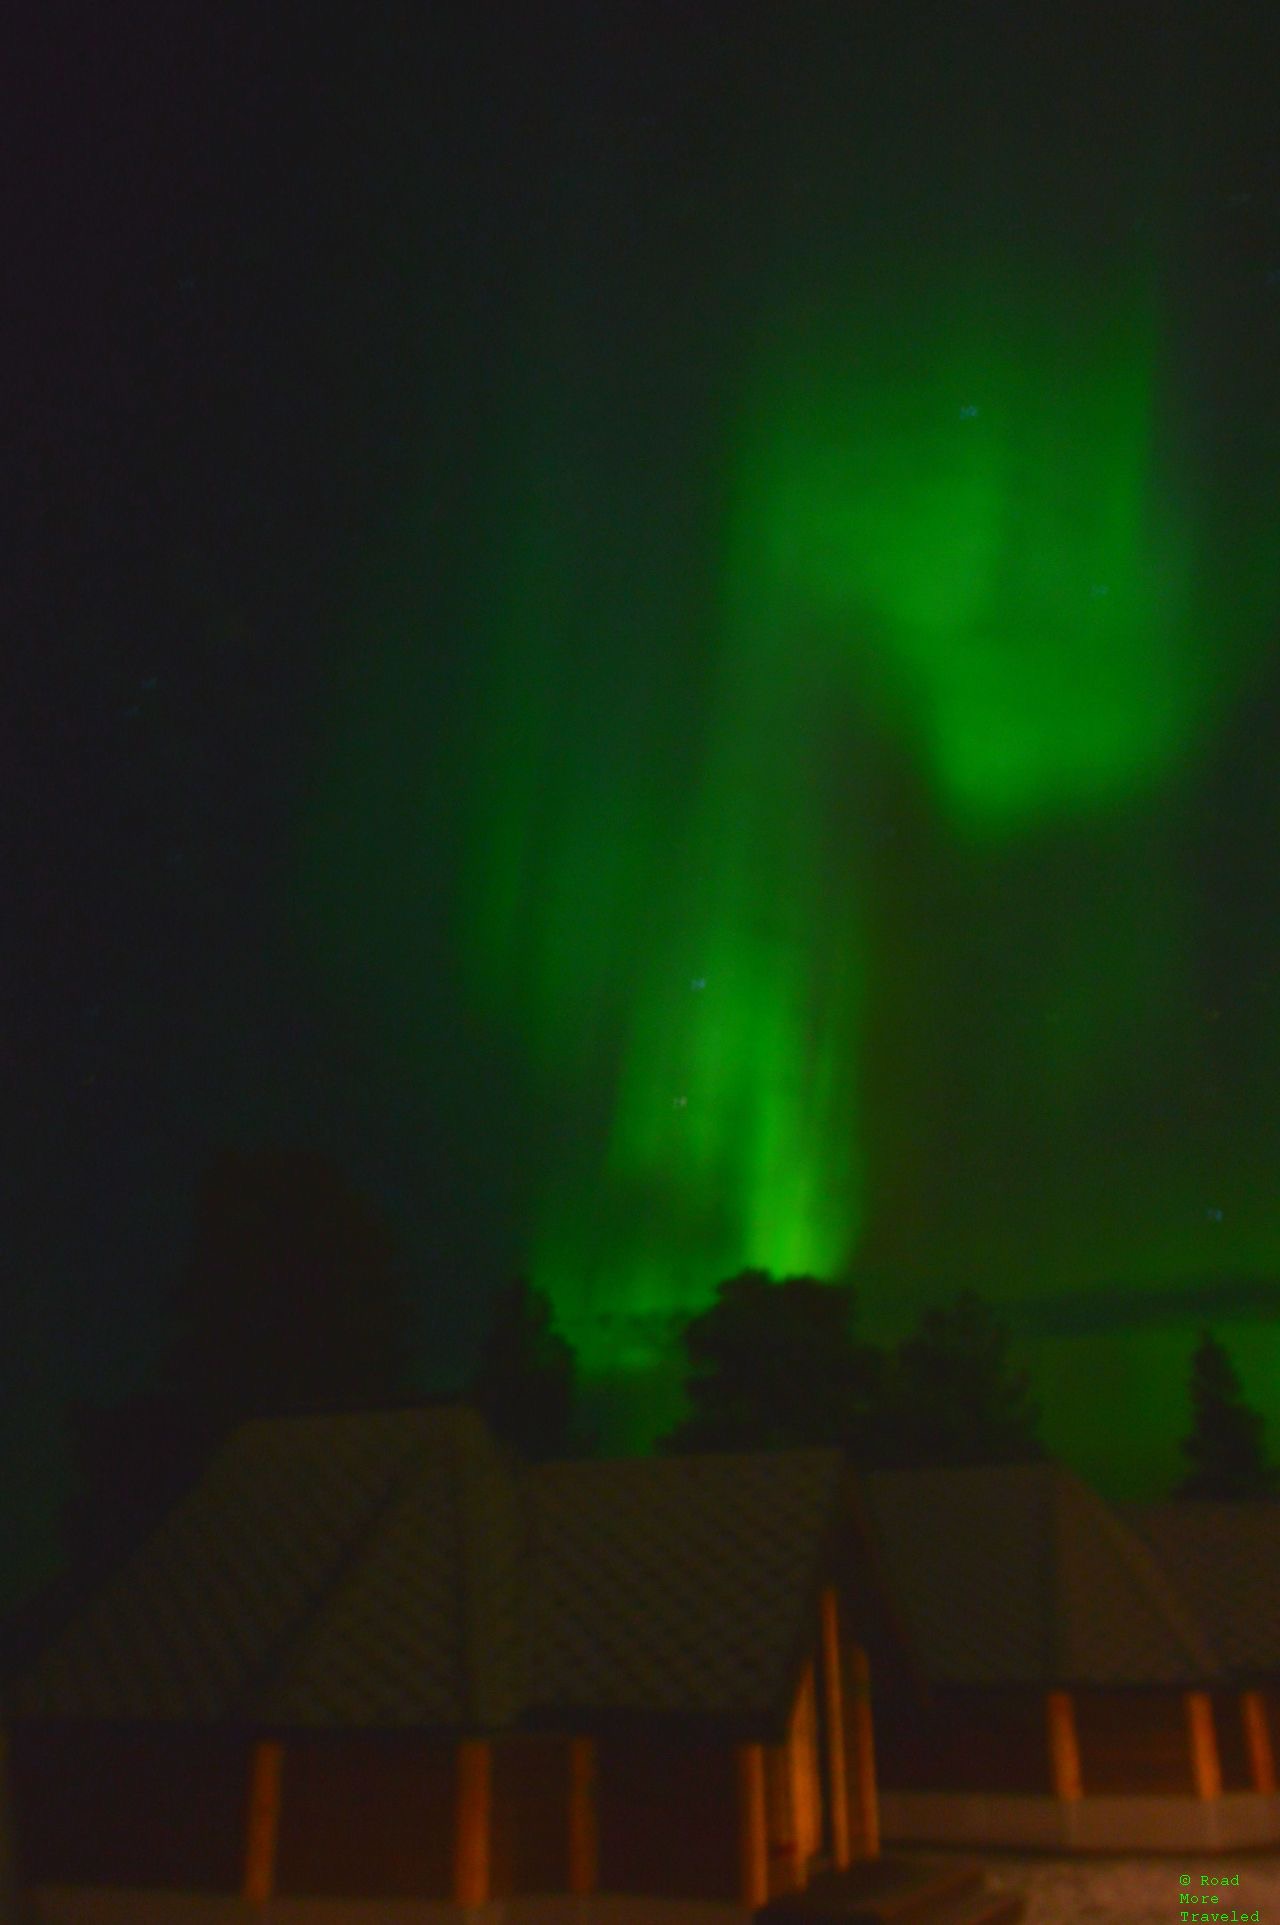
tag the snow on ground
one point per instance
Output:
(1136, 1891)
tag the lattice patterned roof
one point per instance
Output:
(1020, 1574)
(1225, 1558)
(398, 1569)
(202, 1611)
(676, 1583)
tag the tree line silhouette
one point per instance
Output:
(294, 1299)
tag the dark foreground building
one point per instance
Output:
(1224, 1558)
(1053, 1681)
(372, 1669)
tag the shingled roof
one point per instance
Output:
(397, 1569)
(1225, 1557)
(1020, 1574)
(678, 1584)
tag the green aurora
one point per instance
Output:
(961, 533)
(752, 852)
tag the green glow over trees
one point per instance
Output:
(1003, 590)
(738, 1027)
(970, 511)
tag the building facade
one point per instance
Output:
(1046, 1683)
(371, 1662)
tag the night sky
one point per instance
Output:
(657, 627)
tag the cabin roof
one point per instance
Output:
(678, 1583)
(1021, 1575)
(1225, 1556)
(397, 1568)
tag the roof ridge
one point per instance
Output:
(485, 1591)
(822, 1555)
(285, 1651)
(1146, 1574)
(883, 1583)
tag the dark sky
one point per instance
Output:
(269, 295)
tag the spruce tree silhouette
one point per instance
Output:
(1225, 1444)
(292, 1301)
(952, 1396)
(775, 1366)
(525, 1382)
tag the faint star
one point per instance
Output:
(699, 982)
(967, 413)
(1214, 1216)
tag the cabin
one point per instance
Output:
(1225, 1558)
(1041, 1679)
(372, 1668)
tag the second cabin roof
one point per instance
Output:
(1021, 1575)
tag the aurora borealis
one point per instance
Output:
(664, 641)
(1013, 587)
(818, 860)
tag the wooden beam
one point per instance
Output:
(802, 1747)
(864, 1752)
(1064, 1746)
(1206, 1771)
(263, 1829)
(812, 1759)
(796, 1792)
(753, 1849)
(471, 1830)
(1257, 1738)
(584, 1847)
(780, 1821)
(833, 1704)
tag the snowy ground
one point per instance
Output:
(1135, 1891)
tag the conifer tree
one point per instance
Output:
(525, 1383)
(293, 1299)
(954, 1397)
(1225, 1445)
(776, 1365)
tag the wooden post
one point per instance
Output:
(1205, 1768)
(471, 1834)
(833, 1692)
(802, 1747)
(1064, 1746)
(796, 1792)
(1257, 1737)
(780, 1819)
(584, 1848)
(812, 1761)
(864, 1752)
(753, 1849)
(264, 1821)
